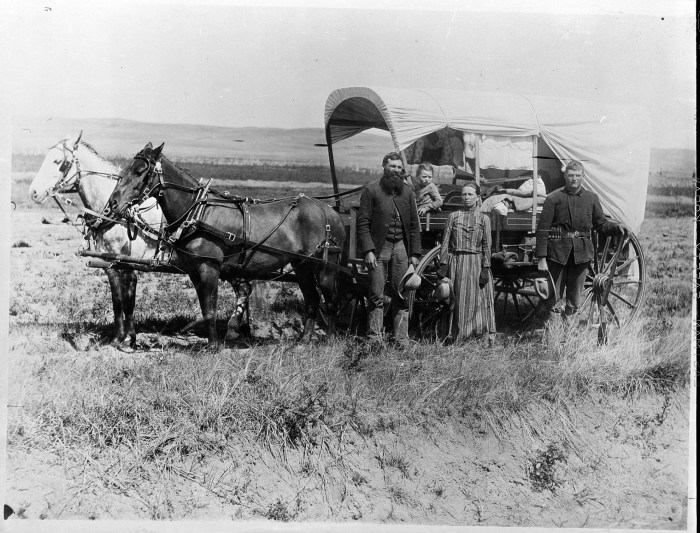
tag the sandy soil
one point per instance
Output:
(454, 474)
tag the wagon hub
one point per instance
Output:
(601, 283)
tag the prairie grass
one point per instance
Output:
(125, 421)
(139, 425)
(183, 401)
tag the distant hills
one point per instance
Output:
(118, 137)
(672, 161)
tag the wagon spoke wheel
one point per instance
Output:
(428, 315)
(614, 284)
(518, 297)
(351, 317)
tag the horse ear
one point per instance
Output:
(77, 141)
(149, 146)
(156, 153)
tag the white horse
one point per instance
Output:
(73, 163)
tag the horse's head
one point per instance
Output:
(58, 171)
(137, 181)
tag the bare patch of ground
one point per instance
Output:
(630, 470)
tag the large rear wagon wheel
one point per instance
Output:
(428, 316)
(615, 282)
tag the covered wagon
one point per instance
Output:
(501, 139)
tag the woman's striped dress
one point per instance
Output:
(466, 248)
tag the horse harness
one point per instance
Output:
(191, 221)
(92, 220)
(65, 184)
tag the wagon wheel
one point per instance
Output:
(524, 293)
(428, 315)
(351, 317)
(615, 282)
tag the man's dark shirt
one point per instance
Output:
(580, 211)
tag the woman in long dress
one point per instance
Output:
(466, 259)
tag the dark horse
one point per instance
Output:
(218, 236)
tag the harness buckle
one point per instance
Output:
(230, 236)
(175, 236)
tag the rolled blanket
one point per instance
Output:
(525, 204)
(489, 203)
(503, 257)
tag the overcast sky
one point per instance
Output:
(236, 65)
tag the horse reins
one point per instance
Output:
(67, 184)
(64, 184)
(189, 220)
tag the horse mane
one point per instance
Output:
(102, 158)
(89, 148)
(187, 172)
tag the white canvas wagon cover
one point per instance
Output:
(612, 141)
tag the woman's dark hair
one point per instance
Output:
(474, 185)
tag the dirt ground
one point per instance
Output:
(630, 470)
(626, 477)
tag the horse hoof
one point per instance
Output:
(122, 345)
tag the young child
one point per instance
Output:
(427, 195)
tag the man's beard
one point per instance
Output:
(391, 183)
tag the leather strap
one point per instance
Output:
(570, 234)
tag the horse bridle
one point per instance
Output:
(71, 183)
(65, 184)
(143, 191)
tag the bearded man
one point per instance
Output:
(388, 235)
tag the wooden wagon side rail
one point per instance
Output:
(125, 265)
